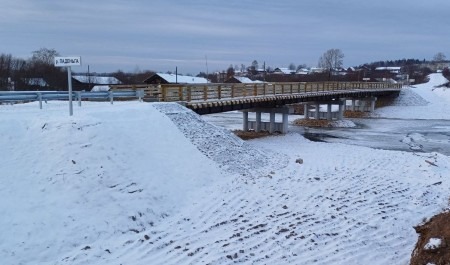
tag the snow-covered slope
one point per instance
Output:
(68, 183)
(429, 101)
(139, 183)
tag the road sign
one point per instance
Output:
(67, 61)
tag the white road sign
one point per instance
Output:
(67, 61)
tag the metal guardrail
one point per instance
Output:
(17, 96)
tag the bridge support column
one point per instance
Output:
(373, 100)
(258, 121)
(245, 118)
(353, 104)
(341, 109)
(329, 112)
(306, 111)
(272, 122)
(285, 123)
(317, 113)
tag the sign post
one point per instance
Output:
(68, 62)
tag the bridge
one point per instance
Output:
(214, 98)
(270, 98)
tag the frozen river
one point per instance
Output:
(389, 134)
(380, 133)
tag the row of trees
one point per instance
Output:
(39, 72)
(331, 59)
(21, 73)
(334, 59)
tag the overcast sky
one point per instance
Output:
(159, 35)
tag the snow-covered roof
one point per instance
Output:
(303, 71)
(286, 71)
(317, 70)
(101, 80)
(244, 79)
(100, 88)
(36, 82)
(389, 68)
(184, 79)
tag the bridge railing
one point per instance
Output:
(225, 91)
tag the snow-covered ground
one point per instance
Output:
(154, 183)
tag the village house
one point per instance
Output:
(242, 79)
(159, 78)
(283, 71)
(93, 83)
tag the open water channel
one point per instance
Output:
(381, 133)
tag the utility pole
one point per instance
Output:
(264, 75)
(89, 79)
(206, 58)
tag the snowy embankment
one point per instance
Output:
(139, 183)
(423, 101)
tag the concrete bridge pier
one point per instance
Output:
(373, 100)
(363, 104)
(341, 109)
(271, 126)
(245, 121)
(329, 114)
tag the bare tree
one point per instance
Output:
(254, 68)
(300, 66)
(255, 65)
(291, 66)
(439, 57)
(243, 68)
(45, 56)
(41, 65)
(331, 59)
(12, 71)
(230, 72)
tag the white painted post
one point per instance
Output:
(111, 97)
(245, 122)
(258, 121)
(79, 98)
(69, 77)
(272, 122)
(40, 100)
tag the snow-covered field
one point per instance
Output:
(142, 183)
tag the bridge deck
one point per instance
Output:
(211, 98)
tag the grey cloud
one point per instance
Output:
(162, 33)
